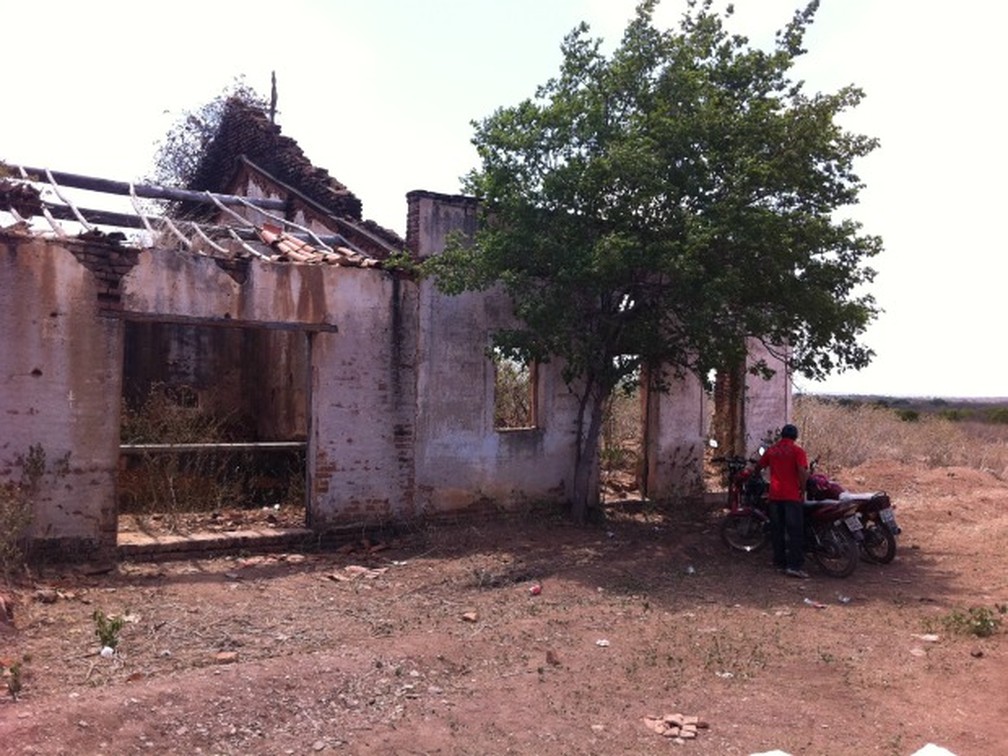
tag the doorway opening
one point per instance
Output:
(213, 429)
(621, 449)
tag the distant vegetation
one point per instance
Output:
(914, 409)
(845, 432)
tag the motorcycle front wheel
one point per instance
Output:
(836, 551)
(879, 545)
(744, 532)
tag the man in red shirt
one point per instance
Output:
(789, 471)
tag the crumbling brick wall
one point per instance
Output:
(60, 386)
(246, 130)
(399, 384)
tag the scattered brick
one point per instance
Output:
(677, 727)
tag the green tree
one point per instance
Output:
(655, 209)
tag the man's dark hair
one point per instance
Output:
(789, 431)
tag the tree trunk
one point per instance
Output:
(586, 490)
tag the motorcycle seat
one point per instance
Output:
(848, 496)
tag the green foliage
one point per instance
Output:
(908, 415)
(955, 415)
(668, 202)
(656, 208)
(107, 628)
(179, 153)
(999, 415)
(980, 621)
(402, 261)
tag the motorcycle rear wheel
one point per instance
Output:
(879, 545)
(836, 552)
(744, 532)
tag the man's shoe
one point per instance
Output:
(796, 574)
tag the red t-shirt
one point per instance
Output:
(785, 460)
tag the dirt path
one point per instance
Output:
(438, 645)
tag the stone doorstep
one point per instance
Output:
(142, 546)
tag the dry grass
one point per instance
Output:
(17, 500)
(198, 481)
(15, 517)
(844, 436)
(621, 432)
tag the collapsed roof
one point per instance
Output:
(255, 194)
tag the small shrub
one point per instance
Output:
(17, 502)
(11, 673)
(15, 517)
(955, 415)
(980, 621)
(998, 415)
(107, 628)
(908, 415)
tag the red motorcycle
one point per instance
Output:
(875, 509)
(833, 528)
(746, 526)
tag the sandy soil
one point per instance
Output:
(438, 644)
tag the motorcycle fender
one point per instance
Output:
(755, 512)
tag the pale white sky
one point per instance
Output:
(381, 94)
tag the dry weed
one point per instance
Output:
(17, 499)
(847, 435)
(172, 483)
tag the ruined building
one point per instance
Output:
(272, 298)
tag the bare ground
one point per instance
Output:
(437, 644)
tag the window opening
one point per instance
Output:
(515, 393)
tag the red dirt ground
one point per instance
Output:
(437, 645)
